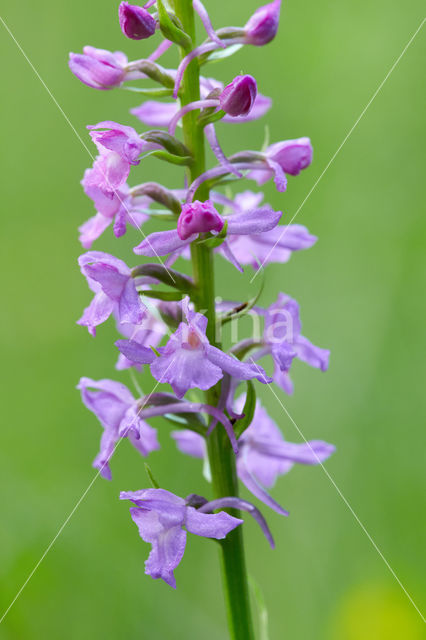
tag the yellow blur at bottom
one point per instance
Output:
(377, 613)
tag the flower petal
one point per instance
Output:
(190, 443)
(236, 368)
(92, 229)
(309, 353)
(160, 243)
(130, 307)
(135, 352)
(210, 525)
(255, 221)
(97, 312)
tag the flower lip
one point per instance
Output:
(198, 217)
(135, 22)
(238, 97)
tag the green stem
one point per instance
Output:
(221, 456)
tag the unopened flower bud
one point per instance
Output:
(237, 98)
(198, 217)
(263, 25)
(99, 68)
(135, 22)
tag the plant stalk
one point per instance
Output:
(221, 456)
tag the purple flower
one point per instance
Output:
(117, 411)
(238, 98)
(189, 361)
(263, 454)
(135, 22)
(119, 206)
(119, 138)
(256, 221)
(160, 114)
(111, 281)
(287, 157)
(259, 249)
(161, 517)
(109, 172)
(283, 340)
(262, 27)
(198, 217)
(98, 68)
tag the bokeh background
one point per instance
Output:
(361, 291)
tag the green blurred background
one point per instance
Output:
(361, 291)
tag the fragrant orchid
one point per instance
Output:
(160, 517)
(111, 281)
(175, 333)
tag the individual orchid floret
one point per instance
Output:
(189, 360)
(119, 147)
(198, 217)
(115, 291)
(283, 340)
(290, 156)
(136, 22)
(119, 208)
(117, 411)
(121, 139)
(263, 454)
(259, 249)
(161, 114)
(238, 97)
(287, 157)
(98, 68)
(163, 520)
(257, 221)
(236, 100)
(262, 27)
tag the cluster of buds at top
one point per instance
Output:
(157, 308)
